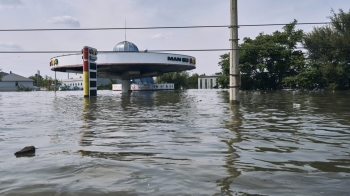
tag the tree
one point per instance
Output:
(45, 81)
(0, 74)
(224, 63)
(267, 59)
(192, 81)
(35, 78)
(328, 51)
(178, 78)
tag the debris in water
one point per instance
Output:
(296, 105)
(27, 151)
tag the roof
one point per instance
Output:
(2, 74)
(212, 76)
(14, 78)
(72, 80)
(126, 46)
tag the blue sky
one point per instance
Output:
(141, 13)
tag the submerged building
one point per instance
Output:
(127, 64)
(11, 82)
(208, 82)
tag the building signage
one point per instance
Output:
(184, 60)
(92, 54)
(53, 62)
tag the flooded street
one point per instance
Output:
(175, 143)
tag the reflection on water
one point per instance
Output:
(175, 143)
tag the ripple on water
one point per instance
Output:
(175, 143)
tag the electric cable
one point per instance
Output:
(178, 50)
(169, 27)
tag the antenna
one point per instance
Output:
(125, 29)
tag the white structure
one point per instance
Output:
(208, 82)
(79, 82)
(145, 87)
(126, 62)
(11, 81)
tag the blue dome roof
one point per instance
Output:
(126, 46)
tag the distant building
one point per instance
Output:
(10, 81)
(208, 82)
(78, 82)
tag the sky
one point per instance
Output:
(31, 14)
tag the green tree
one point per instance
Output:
(45, 81)
(328, 51)
(224, 63)
(192, 81)
(267, 59)
(178, 78)
(35, 78)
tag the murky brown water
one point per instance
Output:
(175, 143)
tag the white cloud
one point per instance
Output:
(161, 36)
(10, 46)
(65, 20)
(10, 3)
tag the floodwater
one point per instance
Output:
(175, 143)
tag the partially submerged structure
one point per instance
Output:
(11, 82)
(126, 63)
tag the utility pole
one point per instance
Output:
(235, 77)
(55, 82)
(38, 79)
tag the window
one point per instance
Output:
(16, 83)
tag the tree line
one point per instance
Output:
(292, 58)
(46, 81)
(181, 80)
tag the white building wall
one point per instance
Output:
(79, 82)
(26, 84)
(207, 82)
(7, 84)
(13, 84)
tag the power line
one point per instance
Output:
(115, 28)
(150, 28)
(175, 50)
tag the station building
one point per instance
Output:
(127, 64)
(208, 82)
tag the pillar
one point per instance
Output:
(86, 81)
(125, 86)
(89, 72)
(234, 68)
(199, 83)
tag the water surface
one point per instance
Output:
(175, 143)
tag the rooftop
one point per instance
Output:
(11, 77)
(126, 46)
(211, 76)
